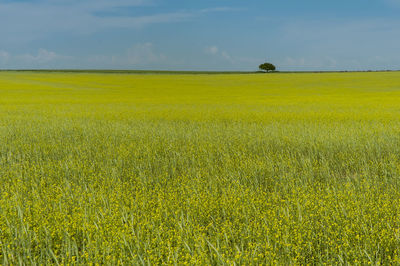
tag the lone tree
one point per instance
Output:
(267, 67)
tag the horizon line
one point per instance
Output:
(148, 71)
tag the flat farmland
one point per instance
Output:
(238, 169)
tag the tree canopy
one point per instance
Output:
(267, 67)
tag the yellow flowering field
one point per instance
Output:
(237, 169)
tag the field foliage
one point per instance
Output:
(199, 169)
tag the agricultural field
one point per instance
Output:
(234, 169)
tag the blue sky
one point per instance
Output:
(200, 34)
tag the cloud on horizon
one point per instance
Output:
(140, 55)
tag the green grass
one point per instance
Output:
(199, 169)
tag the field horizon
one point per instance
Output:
(205, 72)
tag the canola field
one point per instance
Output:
(241, 169)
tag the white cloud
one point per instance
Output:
(333, 63)
(219, 9)
(28, 21)
(340, 44)
(143, 53)
(226, 56)
(42, 59)
(140, 55)
(4, 57)
(395, 3)
(43, 56)
(211, 50)
(216, 52)
(141, 21)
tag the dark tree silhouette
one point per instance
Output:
(267, 67)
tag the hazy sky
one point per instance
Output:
(200, 34)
